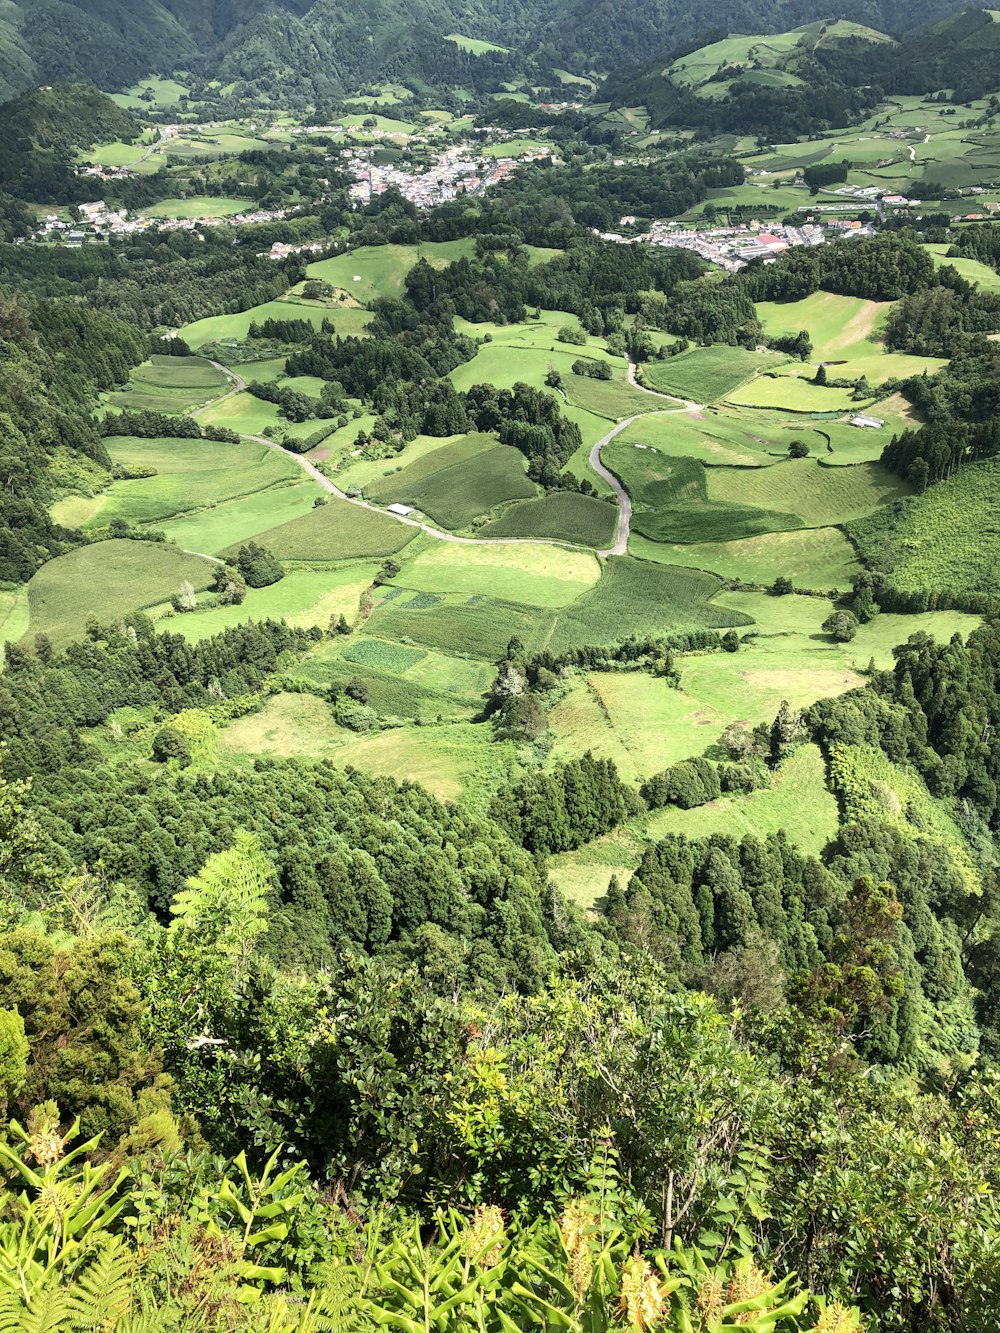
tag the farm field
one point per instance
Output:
(220, 525)
(379, 270)
(639, 597)
(972, 270)
(819, 495)
(614, 398)
(338, 530)
(474, 45)
(526, 573)
(672, 498)
(798, 800)
(304, 597)
(723, 436)
(453, 496)
(561, 516)
(198, 206)
(234, 328)
(190, 475)
(107, 580)
(820, 558)
(169, 384)
(247, 415)
(706, 374)
(787, 393)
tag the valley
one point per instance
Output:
(499, 779)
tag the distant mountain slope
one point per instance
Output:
(317, 45)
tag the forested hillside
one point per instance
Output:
(329, 46)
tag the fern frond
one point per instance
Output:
(102, 1293)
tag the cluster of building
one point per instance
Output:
(732, 248)
(98, 222)
(452, 172)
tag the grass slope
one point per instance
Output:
(338, 531)
(107, 580)
(561, 516)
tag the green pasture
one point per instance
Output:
(14, 614)
(236, 327)
(221, 524)
(973, 270)
(190, 475)
(706, 374)
(199, 206)
(564, 516)
(467, 626)
(417, 463)
(614, 398)
(404, 681)
(357, 471)
(946, 538)
(247, 415)
(107, 580)
(169, 384)
(453, 496)
(803, 486)
(379, 270)
(723, 436)
(797, 800)
(304, 597)
(820, 558)
(453, 760)
(534, 575)
(166, 92)
(338, 530)
(789, 394)
(475, 45)
(639, 597)
(870, 786)
(671, 500)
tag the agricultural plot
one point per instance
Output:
(14, 614)
(453, 496)
(798, 801)
(870, 786)
(786, 393)
(379, 270)
(614, 398)
(107, 580)
(945, 538)
(169, 384)
(672, 502)
(972, 270)
(388, 482)
(304, 597)
(475, 45)
(199, 206)
(723, 436)
(475, 626)
(818, 495)
(234, 328)
(190, 475)
(706, 374)
(564, 516)
(638, 597)
(529, 574)
(820, 558)
(402, 681)
(247, 415)
(220, 525)
(338, 530)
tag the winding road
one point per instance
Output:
(620, 546)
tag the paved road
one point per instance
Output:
(624, 503)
